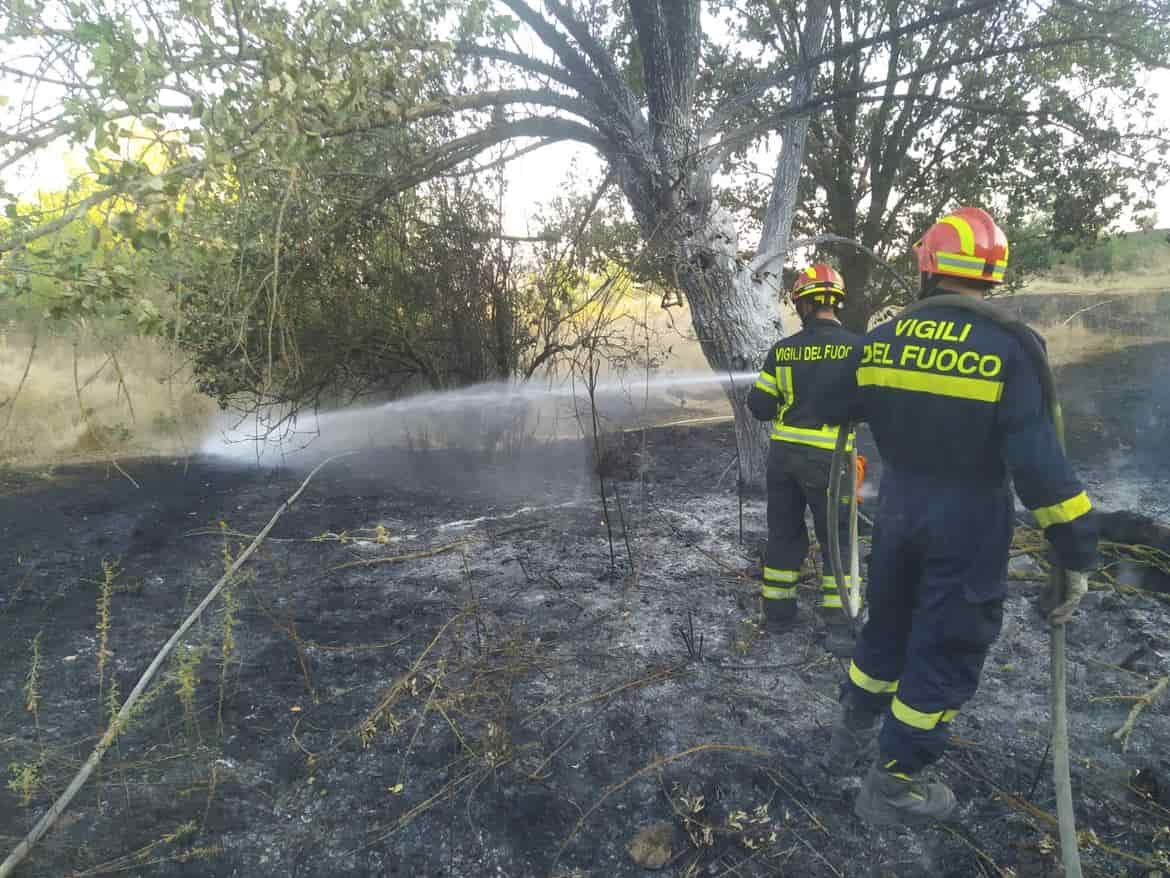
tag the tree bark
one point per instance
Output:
(735, 318)
(857, 269)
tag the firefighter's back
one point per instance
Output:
(930, 386)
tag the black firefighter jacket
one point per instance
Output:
(957, 412)
(798, 370)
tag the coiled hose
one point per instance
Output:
(1058, 688)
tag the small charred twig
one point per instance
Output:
(687, 634)
(1123, 733)
(524, 528)
(617, 497)
(652, 766)
(1075, 314)
(1040, 770)
(719, 562)
(985, 858)
(411, 556)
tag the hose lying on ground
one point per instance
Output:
(1058, 692)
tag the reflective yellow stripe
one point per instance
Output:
(771, 574)
(767, 379)
(862, 680)
(980, 389)
(818, 437)
(970, 266)
(833, 601)
(1062, 513)
(768, 389)
(828, 582)
(966, 233)
(777, 592)
(916, 718)
(948, 715)
(784, 382)
(961, 259)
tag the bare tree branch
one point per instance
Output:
(613, 81)
(449, 104)
(746, 133)
(586, 80)
(758, 90)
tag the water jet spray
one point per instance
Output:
(276, 437)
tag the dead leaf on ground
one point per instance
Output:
(650, 846)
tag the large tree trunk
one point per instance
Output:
(736, 320)
(857, 269)
(668, 184)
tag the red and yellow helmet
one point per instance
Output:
(966, 243)
(820, 283)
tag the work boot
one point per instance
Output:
(890, 798)
(779, 614)
(854, 738)
(838, 637)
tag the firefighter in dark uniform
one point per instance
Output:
(956, 407)
(794, 373)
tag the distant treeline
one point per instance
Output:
(1141, 252)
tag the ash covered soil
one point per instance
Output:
(430, 670)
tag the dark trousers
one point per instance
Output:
(798, 478)
(936, 585)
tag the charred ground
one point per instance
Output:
(498, 701)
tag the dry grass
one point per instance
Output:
(137, 403)
(1064, 279)
(1071, 343)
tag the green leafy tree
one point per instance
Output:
(1034, 111)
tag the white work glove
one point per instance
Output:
(1064, 606)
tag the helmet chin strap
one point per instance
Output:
(928, 285)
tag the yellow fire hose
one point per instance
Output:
(1058, 689)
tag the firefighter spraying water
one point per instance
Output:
(796, 371)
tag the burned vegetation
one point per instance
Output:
(434, 665)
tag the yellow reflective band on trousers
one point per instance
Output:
(771, 574)
(979, 389)
(1062, 513)
(862, 680)
(777, 592)
(832, 600)
(903, 712)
